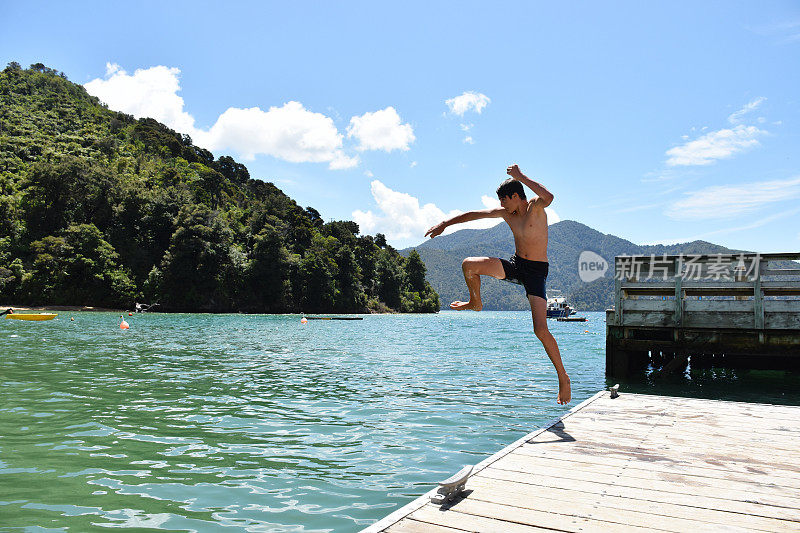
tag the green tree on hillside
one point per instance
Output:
(350, 294)
(70, 191)
(389, 277)
(99, 208)
(193, 270)
(267, 277)
(419, 296)
(316, 287)
(78, 267)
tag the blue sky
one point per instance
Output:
(657, 122)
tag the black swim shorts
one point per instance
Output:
(530, 274)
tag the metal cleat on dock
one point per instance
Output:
(614, 391)
(450, 488)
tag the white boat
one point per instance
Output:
(557, 307)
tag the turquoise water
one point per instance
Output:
(259, 423)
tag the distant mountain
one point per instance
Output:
(567, 239)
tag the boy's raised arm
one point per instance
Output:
(538, 188)
(464, 217)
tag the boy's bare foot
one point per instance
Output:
(564, 390)
(466, 306)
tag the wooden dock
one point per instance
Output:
(731, 310)
(633, 463)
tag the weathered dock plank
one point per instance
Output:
(580, 505)
(680, 466)
(634, 463)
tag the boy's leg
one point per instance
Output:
(539, 312)
(474, 268)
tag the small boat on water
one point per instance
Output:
(557, 307)
(38, 317)
(571, 319)
(334, 318)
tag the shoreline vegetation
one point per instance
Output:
(60, 308)
(89, 308)
(101, 210)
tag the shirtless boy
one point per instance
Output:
(528, 222)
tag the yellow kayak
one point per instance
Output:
(32, 316)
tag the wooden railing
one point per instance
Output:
(753, 291)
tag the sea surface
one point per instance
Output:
(261, 423)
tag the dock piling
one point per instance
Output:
(704, 309)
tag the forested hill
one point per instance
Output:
(100, 209)
(567, 239)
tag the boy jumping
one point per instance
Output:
(528, 266)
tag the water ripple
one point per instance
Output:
(256, 423)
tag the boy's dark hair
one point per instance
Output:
(509, 187)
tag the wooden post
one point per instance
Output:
(621, 363)
(739, 276)
(758, 303)
(638, 361)
(617, 359)
(678, 318)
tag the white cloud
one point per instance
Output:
(413, 164)
(468, 101)
(148, 92)
(639, 207)
(289, 132)
(490, 202)
(787, 30)
(381, 130)
(552, 216)
(400, 215)
(468, 140)
(368, 173)
(757, 224)
(660, 176)
(726, 201)
(466, 127)
(367, 221)
(341, 161)
(736, 229)
(715, 145)
(736, 117)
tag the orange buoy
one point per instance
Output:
(303, 320)
(130, 314)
